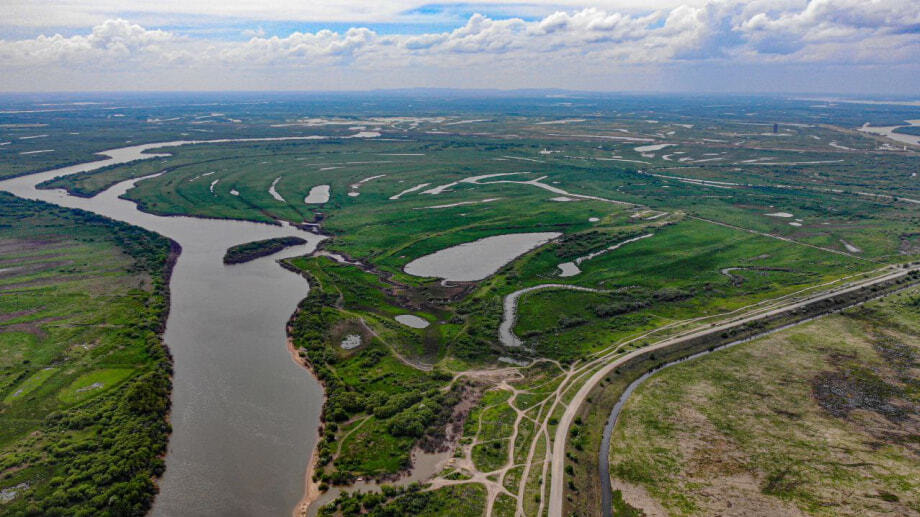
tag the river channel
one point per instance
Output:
(244, 415)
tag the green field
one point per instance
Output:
(820, 419)
(84, 376)
(379, 404)
(740, 217)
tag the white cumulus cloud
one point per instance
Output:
(795, 32)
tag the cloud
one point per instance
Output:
(840, 32)
(70, 13)
(109, 43)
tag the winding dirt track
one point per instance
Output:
(556, 494)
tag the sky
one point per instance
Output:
(850, 47)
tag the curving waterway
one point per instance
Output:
(244, 415)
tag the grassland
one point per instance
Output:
(739, 215)
(820, 419)
(84, 376)
(715, 249)
(380, 406)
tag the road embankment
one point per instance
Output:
(593, 403)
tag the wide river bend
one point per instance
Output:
(244, 415)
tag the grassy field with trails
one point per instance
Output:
(740, 215)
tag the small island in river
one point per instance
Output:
(253, 250)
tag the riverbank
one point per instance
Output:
(397, 433)
(60, 383)
(221, 367)
(311, 488)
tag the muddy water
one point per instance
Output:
(317, 195)
(476, 260)
(509, 310)
(411, 320)
(244, 415)
(889, 131)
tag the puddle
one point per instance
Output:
(317, 195)
(411, 320)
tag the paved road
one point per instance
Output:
(556, 494)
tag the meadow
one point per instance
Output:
(84, 375)
(819, 419)
(743, 200)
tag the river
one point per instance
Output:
(244, 415)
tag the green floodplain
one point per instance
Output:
(85, 376)
(734, 217)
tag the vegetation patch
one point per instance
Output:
(406, 407)
(89, 384)
(464, 500)
(253, 250)
(783, 423)
(85, 378)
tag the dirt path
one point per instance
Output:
(559, 442)
(781, 238)
(400, 357)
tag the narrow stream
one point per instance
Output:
(244, 415)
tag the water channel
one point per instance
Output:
(244, 415)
